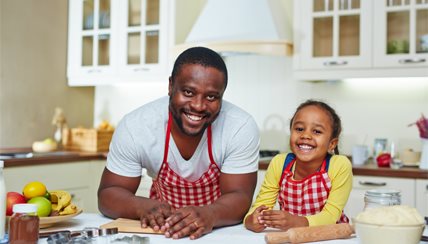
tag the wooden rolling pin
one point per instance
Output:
(309, 234)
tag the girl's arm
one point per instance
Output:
(340, 173)
(270, 188)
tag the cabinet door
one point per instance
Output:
(144, 39)
(361, 184)
(91, 41)
(401, 33)
(336, 34)
(422, 196)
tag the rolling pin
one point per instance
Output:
(310, 234)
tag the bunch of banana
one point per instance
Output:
(61, 202)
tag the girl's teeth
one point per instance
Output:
(307, 147)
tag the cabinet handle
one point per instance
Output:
(369, 183)
(411, 61)
(335, 63)
(94, 71)
(141, 69)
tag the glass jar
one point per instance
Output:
(24, 224)
(381, 197)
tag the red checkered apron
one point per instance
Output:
(308, 196)
(179, 192)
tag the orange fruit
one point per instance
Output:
(34, 189)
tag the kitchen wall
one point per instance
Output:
(264, 86)
(33, 53)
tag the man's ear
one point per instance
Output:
(170, 86)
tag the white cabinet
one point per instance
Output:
(81, 179)
(422, 196)
(117, 41)
(361, 184)
(336, 39)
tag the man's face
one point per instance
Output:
(195, 97)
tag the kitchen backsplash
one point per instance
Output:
(264, 86)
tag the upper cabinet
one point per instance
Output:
(118, 41)
(335, 39)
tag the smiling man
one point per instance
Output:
(202, 153)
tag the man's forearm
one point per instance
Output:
(116, 202)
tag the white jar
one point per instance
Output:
(381, 197)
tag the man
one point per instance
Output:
(202, 153)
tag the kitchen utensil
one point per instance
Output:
(129, 226)
(310, 234)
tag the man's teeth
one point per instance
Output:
(193, 117)
(305, 147)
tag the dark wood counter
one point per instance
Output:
(374, 170)
(49, 158)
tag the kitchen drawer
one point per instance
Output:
(422, 196)
(363, 183)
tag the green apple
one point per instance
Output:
(44, 206)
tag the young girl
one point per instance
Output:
(312, 184)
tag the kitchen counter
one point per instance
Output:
(372, 169)
(225, 235)
(27, 157)
(70, 156)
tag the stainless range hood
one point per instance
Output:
(235, 27)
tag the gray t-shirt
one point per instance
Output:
(139, 142)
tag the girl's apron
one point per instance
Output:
(308, 196)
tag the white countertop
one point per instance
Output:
(226, 235)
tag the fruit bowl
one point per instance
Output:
(46, 222)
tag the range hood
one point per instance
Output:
(236, 27)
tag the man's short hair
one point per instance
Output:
(202, 56)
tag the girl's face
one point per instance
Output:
(311, 131)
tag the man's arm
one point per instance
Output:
(116, 198)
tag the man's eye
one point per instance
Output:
(188, 93)
(211, 98)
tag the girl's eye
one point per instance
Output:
(317, 132)
(298, 129)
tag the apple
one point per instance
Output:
(44, 206)
(384, 160)
(13, 198)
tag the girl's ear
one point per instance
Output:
(333, 145)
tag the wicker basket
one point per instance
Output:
(87, 140)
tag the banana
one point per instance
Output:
(70, 209)
(61, 198)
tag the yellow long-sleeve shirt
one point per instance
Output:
(340, 174)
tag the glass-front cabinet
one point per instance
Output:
(403, 33)
(143, 37)
(337, 39)
(117, 41)
(335, 34)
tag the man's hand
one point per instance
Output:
(252, 221)
(156, 216)
(281, 219)
(191, 220)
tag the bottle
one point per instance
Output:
(24, 224)
(381, 197)
(2, 203)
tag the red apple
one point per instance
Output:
(13, 198)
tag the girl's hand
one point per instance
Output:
(281, 219)
(252, 221)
